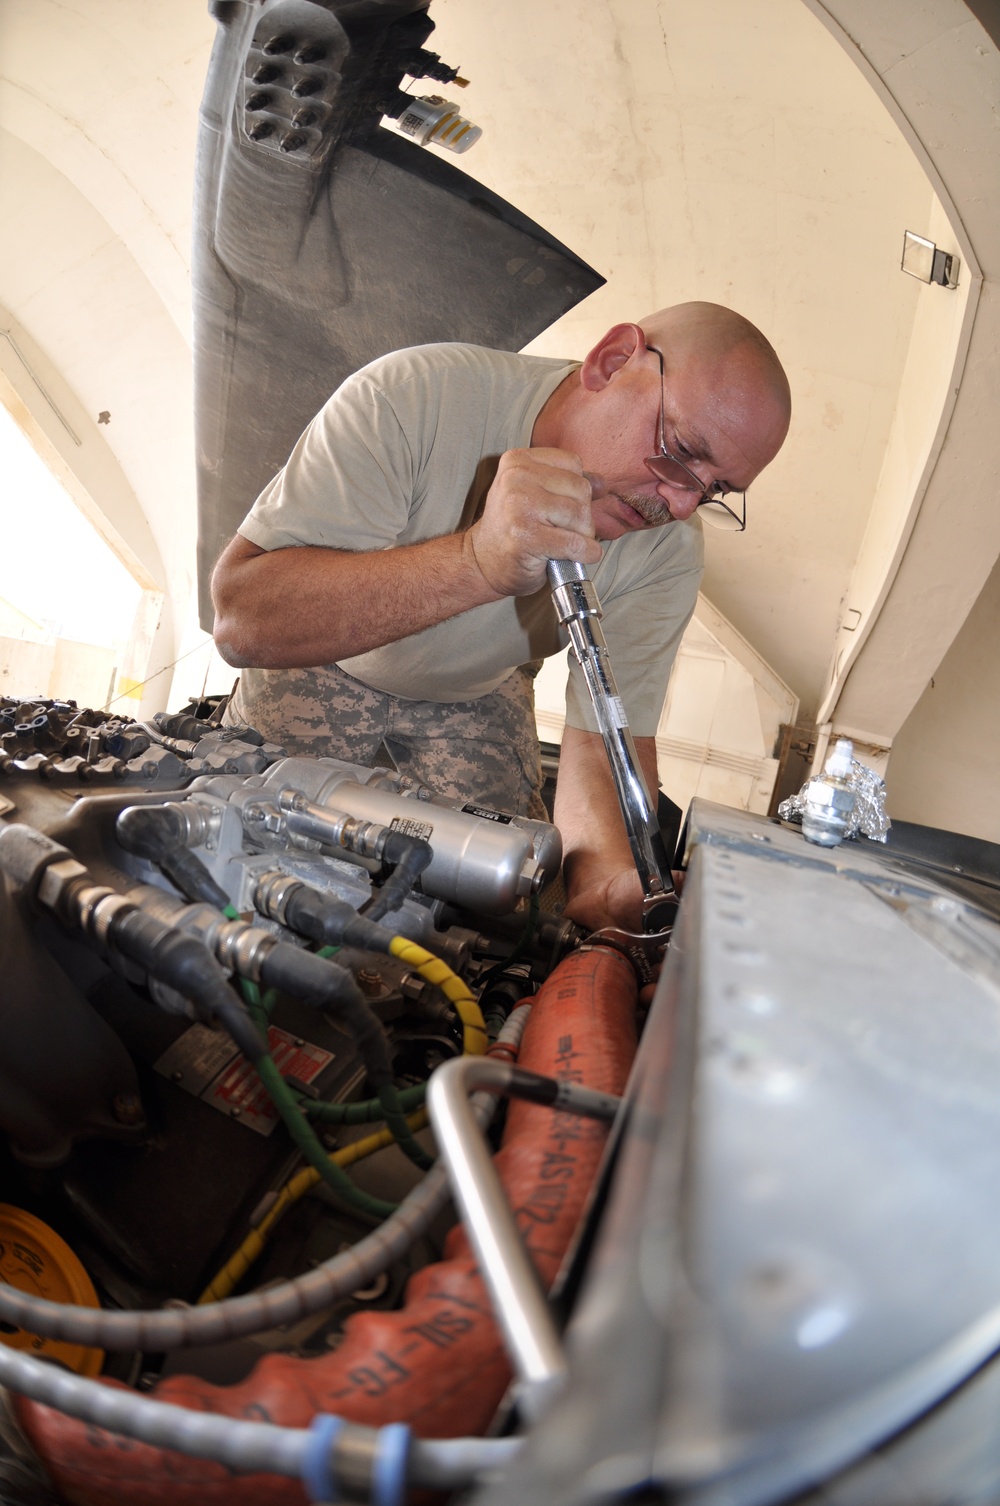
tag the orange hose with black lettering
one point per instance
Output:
(438, 1363)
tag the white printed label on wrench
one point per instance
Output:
(615, 711)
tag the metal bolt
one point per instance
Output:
(127, 1108)
(234, 1112)
(261, 129)
(280, 43)
(265, 73)
(292, 141)
(369, 981)
(303, 87)
(259, 100)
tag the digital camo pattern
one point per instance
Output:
(484, 750)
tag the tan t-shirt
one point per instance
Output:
(406, 450)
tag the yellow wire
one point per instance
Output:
(295, 1188)
(455, 991)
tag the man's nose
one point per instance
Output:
(679, 499)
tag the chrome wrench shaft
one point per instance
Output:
(579, 610)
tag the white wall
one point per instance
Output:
(720, 720)
(945, 764)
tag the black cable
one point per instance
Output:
(409, 857)
(315, 980)
(332, 922)
(159, 833)
(186, 965)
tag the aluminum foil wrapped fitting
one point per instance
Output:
(824, 808)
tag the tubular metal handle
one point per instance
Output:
(579, 610)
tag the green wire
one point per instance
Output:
(391, 1106)
(365, 1111)
(395, 1122)
(300, 1129)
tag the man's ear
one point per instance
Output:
(622, 343)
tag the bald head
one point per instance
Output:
(731, 353)
(721, 408)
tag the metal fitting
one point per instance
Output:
(85, 901)
(58, 884)
(366, 838)
(101, 916)
(575, 599)
(271, 893)
(258, 817)
(242, 948)
(334, 828)
(202, 822)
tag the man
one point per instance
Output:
(403, 551)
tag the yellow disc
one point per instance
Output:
(34, 1259)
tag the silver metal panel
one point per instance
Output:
(800, 1255)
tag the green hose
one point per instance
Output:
(301, 1130)
(395, 1121)
(392, 1107)
(366, 1110)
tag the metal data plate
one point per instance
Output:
(206, 1064)
(800, 1257)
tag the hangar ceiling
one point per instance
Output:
(766, 156)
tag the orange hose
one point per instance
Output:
(438, 1363)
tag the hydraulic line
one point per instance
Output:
(364, 1111)
(123, 930)
(284, 968)
(305, 1140)
(304, 1136)
(388, 1367)
(180, 1328)
(519, 1301)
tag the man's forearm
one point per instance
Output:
(293, 608)
(602, 885)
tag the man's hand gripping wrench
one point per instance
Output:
(579, 610)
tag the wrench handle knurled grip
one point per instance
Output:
(579, 610)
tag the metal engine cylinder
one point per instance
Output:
(483, 862)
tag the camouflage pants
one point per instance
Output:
(484, 750)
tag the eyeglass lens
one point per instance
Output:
(720, 515)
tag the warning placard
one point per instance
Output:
(206, 1063)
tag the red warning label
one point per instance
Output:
(207, 1064)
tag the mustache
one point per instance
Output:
(652, 509)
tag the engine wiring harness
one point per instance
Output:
(244, 882)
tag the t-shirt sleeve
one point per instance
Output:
(348, 482)
(646, 610)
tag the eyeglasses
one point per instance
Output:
(666, 467)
